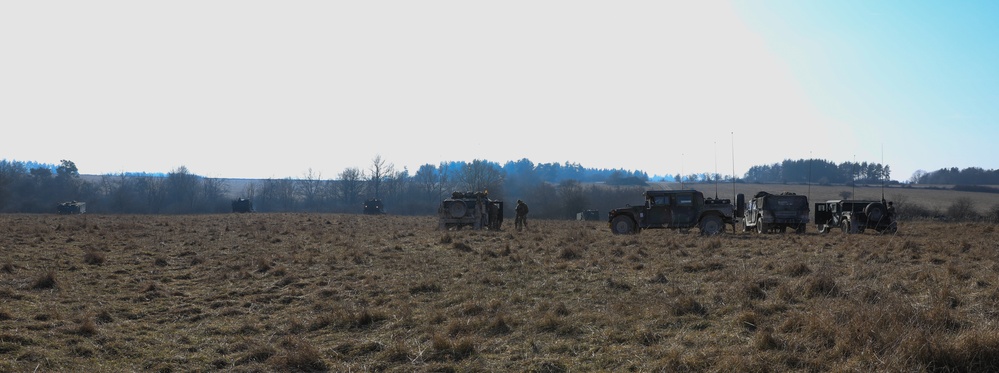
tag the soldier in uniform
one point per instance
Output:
(521, 221)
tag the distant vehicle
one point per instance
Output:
(588, 215)
(242, 205)
(470, 209)
(674, 209)
(374, 206)
(854, 216)
(767, 213)
(72, 207)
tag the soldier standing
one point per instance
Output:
(521, 221)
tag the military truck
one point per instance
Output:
(767, 212)
(374, 206)
(71, 207)
(675, 209)
(470, 209)
(242, 205)
(854, 216)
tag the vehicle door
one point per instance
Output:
(684, 208)
(658, 211)
(823, 214)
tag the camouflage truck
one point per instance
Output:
(674, 209)
(374, 206)
(242, 205)
(71, 207)
(767, 212)
(470, 209)
(854, 216)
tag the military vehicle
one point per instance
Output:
(675, 209)
(72, 207)
(588, 215)
(470, 209)
(854, 216)
(767, 212)
(374, 206)
(242, 205)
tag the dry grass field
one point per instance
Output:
(325, 292)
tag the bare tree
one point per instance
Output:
(350, 185)
(481, 175)
(426, 181)
(379, 172)
(310, 189)
(573, 197)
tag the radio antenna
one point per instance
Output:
(733, 166)
(716, 170)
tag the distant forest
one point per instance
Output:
(554, 190)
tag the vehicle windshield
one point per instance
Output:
(786, 203)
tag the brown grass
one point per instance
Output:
(323, 292)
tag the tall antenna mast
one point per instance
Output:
(809, 174)
(733, 166)
(853, 176)
(883, 176)
(681, 170)
(716, 170)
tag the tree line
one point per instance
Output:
(553, 190)
(953, 175)
(556, 190)
(819, 171)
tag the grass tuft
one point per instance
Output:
(44, 281)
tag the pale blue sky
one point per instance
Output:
(273, 89)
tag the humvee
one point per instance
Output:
(767, 212)
(588, 215)
(72, 207)
(374, 206)
(242, 205)
(470, 209)
(854, 216)
(675, 209)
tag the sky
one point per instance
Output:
(276, 89)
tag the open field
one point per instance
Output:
(318, 292)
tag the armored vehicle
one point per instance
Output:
(854, 216)
(374, 206)
(470, 209)
(676, 209)
(767, 212)
(72, 207)
(242, 205)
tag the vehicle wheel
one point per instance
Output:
(845, 226)
(875, 211)
(783, 229)
(761, 227)
(622, 225)
(824, 229)
(745, 228)
(712, 225)
(800, 229)
(457, 209)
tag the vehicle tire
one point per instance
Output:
(845, 226)
(800, 229)
(875, 211)
(622, 225)
(457, 209)
(746, 228)
(782, 229)
(712, 225)
(823, 229)
(761, 227)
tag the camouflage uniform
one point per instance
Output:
(521, 221)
